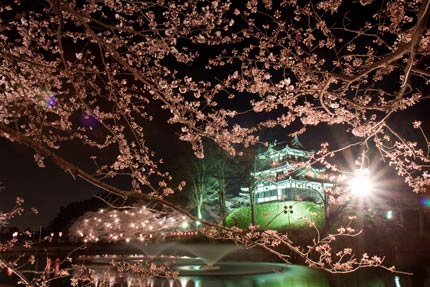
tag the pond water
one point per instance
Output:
(234, 274)
(294, 276)
(291, 276)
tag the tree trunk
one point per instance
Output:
(252, 204)
(221, 200)
(326, 224)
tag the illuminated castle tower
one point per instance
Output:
(283, 175)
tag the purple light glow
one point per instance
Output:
(425, 202)
(89, 120)
(51, 101)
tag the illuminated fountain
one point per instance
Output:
(198, 259)
(155, 250)
(209, 254)
(137, 226)
(212, 267)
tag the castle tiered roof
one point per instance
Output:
(286, 151)
(285, 173)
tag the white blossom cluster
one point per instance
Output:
(136, 224)
(3, 219)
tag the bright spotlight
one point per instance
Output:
(185, 224)
(389, 214)
(361, 185)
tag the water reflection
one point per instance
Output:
(370, 278)
(294, 276)
(397, 281)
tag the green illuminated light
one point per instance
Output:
(185, 224)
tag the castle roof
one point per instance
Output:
(272, 152)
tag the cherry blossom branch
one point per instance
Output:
(18, 273)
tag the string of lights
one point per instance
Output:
(134, 224)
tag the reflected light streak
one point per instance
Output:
(397, 281)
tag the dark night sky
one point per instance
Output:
(43, 188)
(49, 188)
